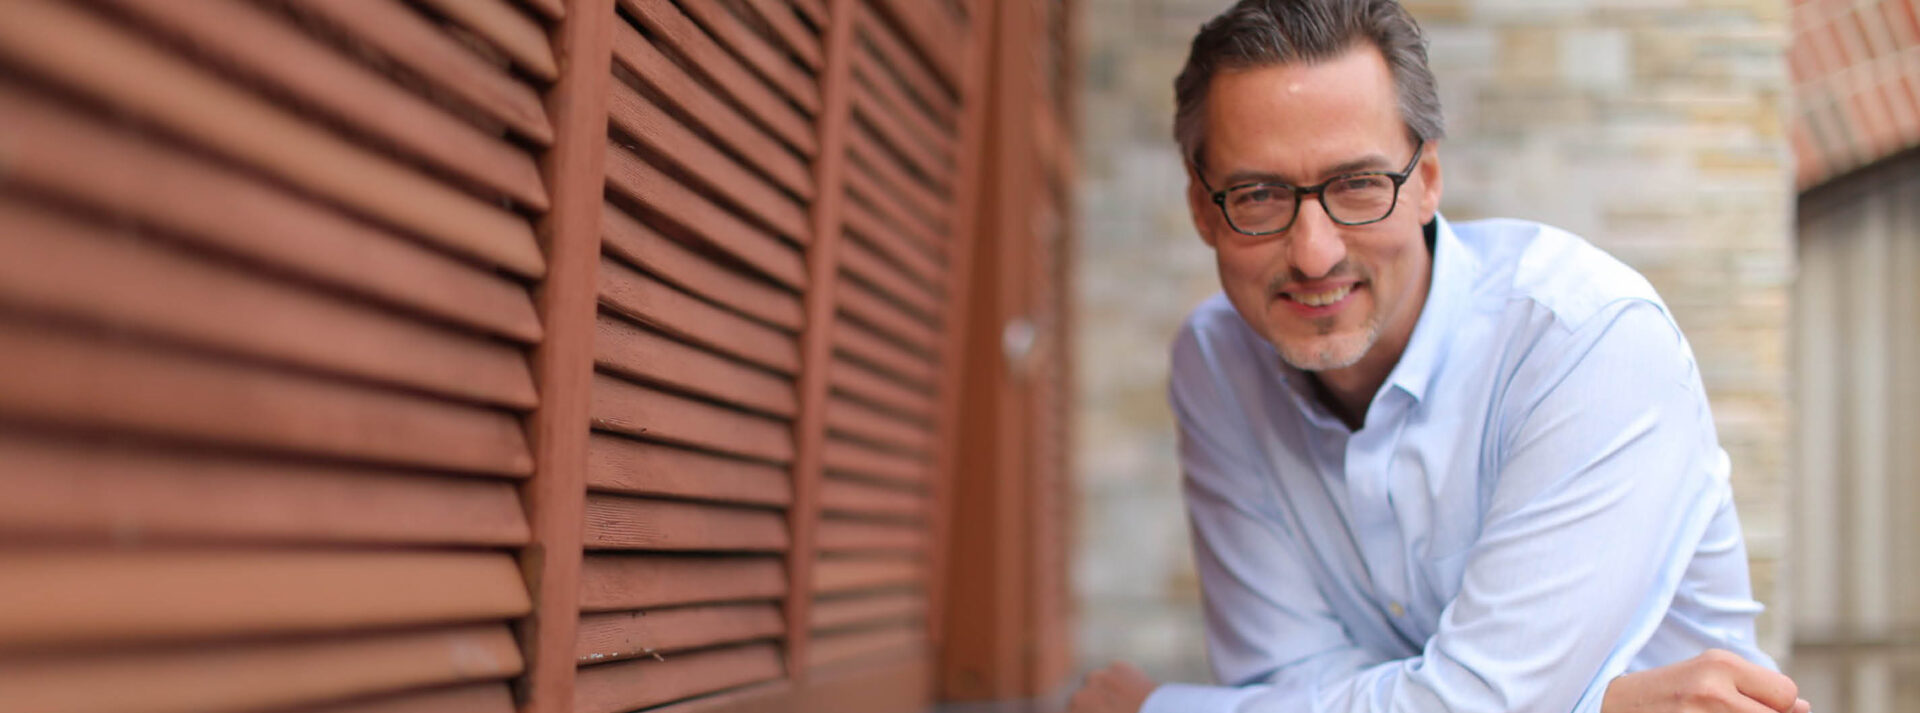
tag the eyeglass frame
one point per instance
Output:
(1318, 191)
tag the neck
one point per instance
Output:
(1348, 391)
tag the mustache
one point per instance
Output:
(1344, 270)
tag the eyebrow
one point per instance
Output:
(1374, 162)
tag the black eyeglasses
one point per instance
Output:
(1358, 198)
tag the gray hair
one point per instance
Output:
(1259, 33)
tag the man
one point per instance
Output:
(1428, 467)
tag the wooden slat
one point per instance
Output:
(853, 420)
(627, 685)
(54, 265)
(860, 383)
(255, 42)
(624, 635)
(64, 490)
(625, 407)
(549, 9)
(60, 152)
(641, 298)
(887, 317)
(472, 698)
(624, 348)
(848, 536)
(86, 382)
(848, 457)
(769, 63)
(643, 247)
(73, 47)
(863, 345)
(513, 33)
(675, 30)
(695, 215)
(640, 119)
(612, 582)
(935, 33)
(890, 241)
(244, 677)
(793, 34)
(838, 647)
(926, 198)
(419, 45)
(629, 523)
(894, 100)
(887, 205)
(619, 464)
(719, 117)
(815, 10)
(841, 612)
(901, 141)
(834, 574)
(842, 496)
(72, 597)
(895, 54)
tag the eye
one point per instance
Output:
(1256, 195)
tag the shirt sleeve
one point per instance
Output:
(1609, 471)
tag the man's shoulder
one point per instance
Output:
(1553, 269)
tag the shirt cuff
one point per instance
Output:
(1188, 698)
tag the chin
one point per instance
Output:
(1327, 352)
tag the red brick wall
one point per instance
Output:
(1856, 75)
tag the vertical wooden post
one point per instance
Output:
(962, 226)
(555, 498)
(816, 342)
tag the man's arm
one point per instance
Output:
(1590, 528)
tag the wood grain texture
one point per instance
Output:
(920, 298)
(472, 698)
(891, 178)
(794, 35)
(888, 316)
(857, 382)
(835, 575)
(81, 597)
(793, 81)
(87, 382)
(887, 240)
(854, 420)
(719, 118)
(251, 41)
(894, 53)
(627, 685)
(624, 465)
(629, 523)
(81, 491)
(910, 220)
(844, 536)
(839, 647)
(625, 407)
(231, 678)
(624, 348)
(846, 496)
(55, 265)
(64, 153)
(893, 97)
(937, 35)
(623, 635)
(71, 46)
(866, 610)
(881, 356)
(410, 40)
(675, 31)
(694, 215)
(507, 29)
(918, 152)
(619, 582)
(639, 297)
(751, 195)
(639, 245)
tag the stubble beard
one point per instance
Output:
(1328, 351)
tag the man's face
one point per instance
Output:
(1321, 292)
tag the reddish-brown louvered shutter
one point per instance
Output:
(264, 311)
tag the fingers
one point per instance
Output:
(1765, 686)
(1802, 706)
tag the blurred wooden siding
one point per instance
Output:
(537, 355)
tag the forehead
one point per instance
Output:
(1294, 119)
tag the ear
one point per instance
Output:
(1206, 216)
(1430, 182)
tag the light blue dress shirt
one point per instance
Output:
(1536, 503)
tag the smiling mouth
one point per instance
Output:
(1321, 299)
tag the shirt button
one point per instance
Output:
(1396, 609)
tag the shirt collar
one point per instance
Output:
(1455, 274)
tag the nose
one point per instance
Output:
(1314, 245)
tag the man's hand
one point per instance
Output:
(1118, 688)
(1714, 682)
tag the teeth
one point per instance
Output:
(1320, 299)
